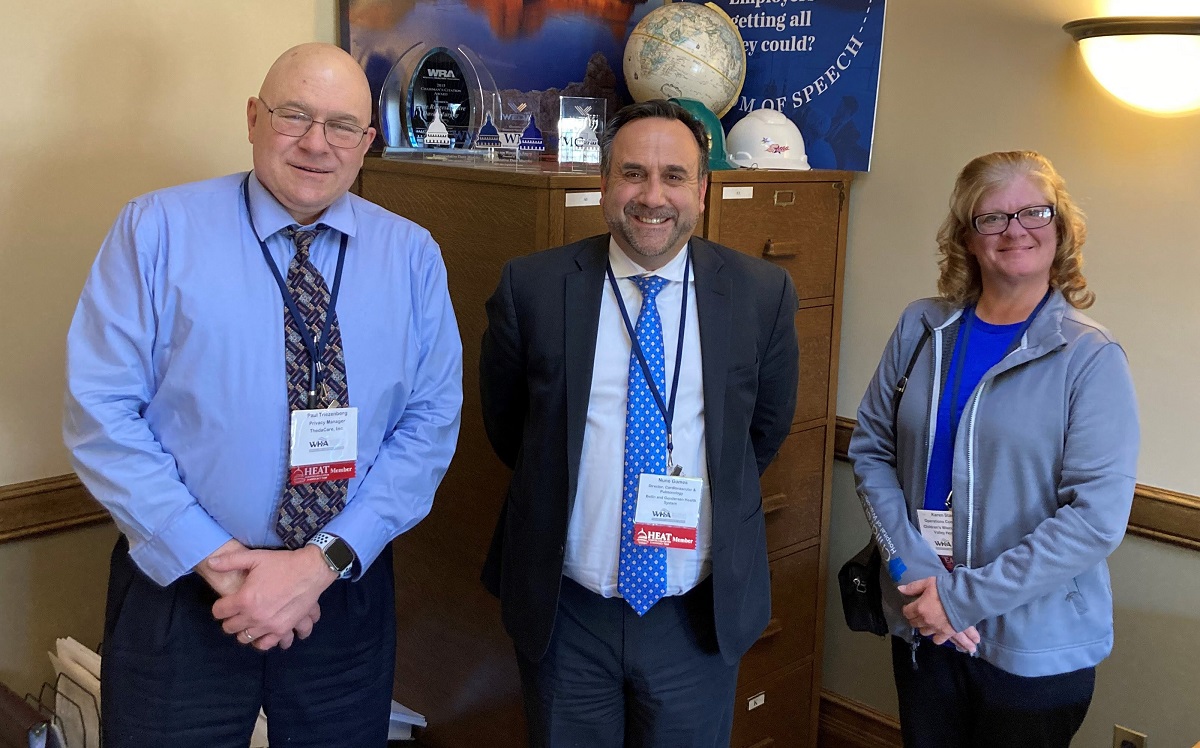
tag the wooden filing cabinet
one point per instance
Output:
(454, 662)
(798, 221)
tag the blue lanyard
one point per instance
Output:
(666, 408)
(315, 348)
(960, 356)
(960, 351)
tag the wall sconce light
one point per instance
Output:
(1149, 62)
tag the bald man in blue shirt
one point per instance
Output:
(264, 383)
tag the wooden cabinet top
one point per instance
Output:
(548, 175)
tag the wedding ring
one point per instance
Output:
(246, 633)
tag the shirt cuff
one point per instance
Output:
(188, 539)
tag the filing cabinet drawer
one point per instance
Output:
(582, 215)
(775, 712)
(791, 634)
(813, 329)
(792, 225)
(792, 489)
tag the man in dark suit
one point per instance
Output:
(630, 557)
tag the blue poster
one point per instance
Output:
(817, 61)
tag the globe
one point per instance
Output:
(686, 50)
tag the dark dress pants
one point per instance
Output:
(953, 700)
(172, 677)
(611, 678)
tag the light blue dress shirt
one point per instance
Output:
(176, 412)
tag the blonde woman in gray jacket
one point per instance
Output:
(1005, 479)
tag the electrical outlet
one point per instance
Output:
(1123, 737)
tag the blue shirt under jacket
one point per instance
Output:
(985, 348)
(176, 412)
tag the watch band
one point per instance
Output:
(325, 541)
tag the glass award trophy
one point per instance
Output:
(580, 125)
(488, 136)
(436, 99)
(531, 145)
(518, 108)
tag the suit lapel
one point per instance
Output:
(715, 312)
(583, 290)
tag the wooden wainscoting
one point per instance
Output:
(61, 502)
(846, 723)
(1166, 515)
(46, 505)
(841, 437)
(1158, 513)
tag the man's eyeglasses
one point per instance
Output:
(295, 124)
(1033, 217)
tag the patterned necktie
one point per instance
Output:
(307, 508)
(642, 575)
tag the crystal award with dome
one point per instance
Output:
(436, 98)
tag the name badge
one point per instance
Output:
(668, 511)
(937, 527)
(324, 445)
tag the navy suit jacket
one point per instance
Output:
(535, 379)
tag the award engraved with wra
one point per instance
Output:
(436, 99)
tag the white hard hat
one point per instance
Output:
(766, 139)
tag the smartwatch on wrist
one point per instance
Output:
(338, 554)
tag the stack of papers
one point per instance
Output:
(77, 693)
(400, 725)
(402, 722)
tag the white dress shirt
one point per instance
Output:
(594, 528)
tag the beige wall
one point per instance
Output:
(108, 100)
(964, 78)
(103, 101)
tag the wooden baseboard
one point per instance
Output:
(1158, 513)
(846, 723)
(47, 505)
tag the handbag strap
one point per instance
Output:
(903, 383)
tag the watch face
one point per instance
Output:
(339, 554)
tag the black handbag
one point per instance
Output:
(862, 597)
(858, 579)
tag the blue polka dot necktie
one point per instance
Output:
(308, 507)
(642, 573)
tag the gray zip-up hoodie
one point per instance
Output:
(1044, 464)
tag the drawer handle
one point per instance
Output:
(771, 250)
(784, 198)
(774, 626)
(764, 743)
(774, 502)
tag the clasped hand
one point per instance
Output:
(926, 615)
(268, 597)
